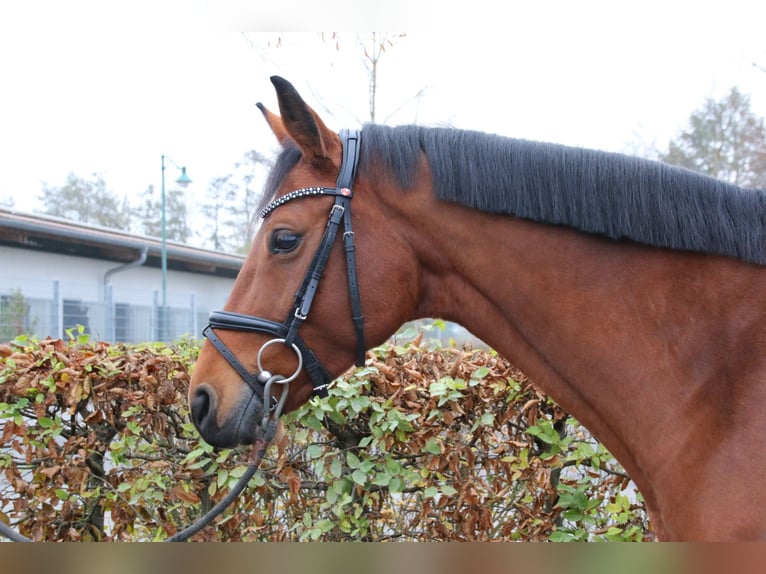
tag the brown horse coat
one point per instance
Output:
(654, 341)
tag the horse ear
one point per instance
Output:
(275, 123)
(317, 143)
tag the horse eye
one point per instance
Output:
(284, 241)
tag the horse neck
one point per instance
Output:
(593, 322)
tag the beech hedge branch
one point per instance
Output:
(421, 443)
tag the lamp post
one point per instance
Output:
(183, 180)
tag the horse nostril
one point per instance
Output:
(203, 407)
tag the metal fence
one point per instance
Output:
(51, 308)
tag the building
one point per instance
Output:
(56, 274)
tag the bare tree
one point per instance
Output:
(215, 207)
(87, 201)
(366, 48)
(229, 207)
(149, 214)
(723, 139)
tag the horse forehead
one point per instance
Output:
(306, 175)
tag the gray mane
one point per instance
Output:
(609, 194)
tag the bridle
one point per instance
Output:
(286, 332)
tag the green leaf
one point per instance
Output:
(336, 468)
(449, 490)
(337, 417)
(45, 422)
(258, 480)
(613, 508)
(480, 373)
(382, 479)
(432, 446)
(312, 422)
(359, 477)
(437, 388)
(430, 492)
(365, 442)
(237, 472)
(573, 515)
(393, 466)
(360, 403)
(314, 451)
(545, 432)
(195, 454)
(561, 536)
(352, 460)
(324, 525)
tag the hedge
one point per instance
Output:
(423, 443)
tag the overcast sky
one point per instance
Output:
(88, 89)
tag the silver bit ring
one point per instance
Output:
(294, 348)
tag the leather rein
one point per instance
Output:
(286, 332)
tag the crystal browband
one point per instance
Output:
(303, 192)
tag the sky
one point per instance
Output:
(109, 87)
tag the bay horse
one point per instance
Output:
(632, 292)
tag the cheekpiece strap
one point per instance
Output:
(347, 173)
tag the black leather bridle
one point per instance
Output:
(286, 332)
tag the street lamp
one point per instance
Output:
(183, 180)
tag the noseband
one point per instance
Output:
(286, 332)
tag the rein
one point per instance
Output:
(265, 434)
(286, 332)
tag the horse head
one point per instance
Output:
(309, 299)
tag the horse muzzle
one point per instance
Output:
(253, 414)
(240, 423)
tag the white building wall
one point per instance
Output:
(84, 278)
(43, 277)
